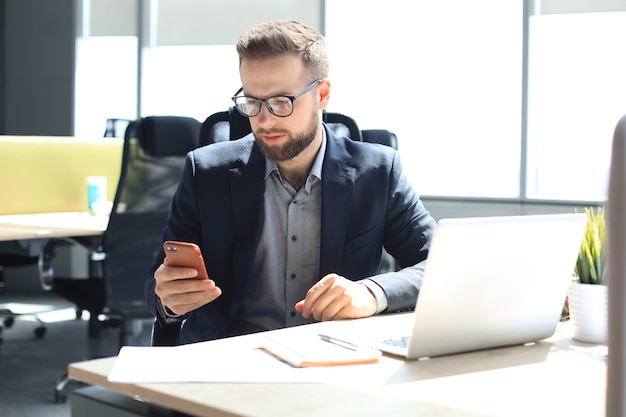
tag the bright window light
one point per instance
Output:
(444, 76)
(193, 81)
(577, 93)
(106, 83)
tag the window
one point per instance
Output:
(193, 81)
(106, 83)
(577, 93)
(445, 76)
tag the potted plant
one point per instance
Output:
(587, 296)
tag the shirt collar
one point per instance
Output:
(316, 169)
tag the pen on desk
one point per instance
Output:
(339, 342)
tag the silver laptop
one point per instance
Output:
(491, 282)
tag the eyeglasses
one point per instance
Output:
(281, 106)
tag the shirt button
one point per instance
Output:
(293, 276)
(293, 314)
(293, 238)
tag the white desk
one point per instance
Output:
(555, 377)
(50, 225)
(35, 230)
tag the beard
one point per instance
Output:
(293, 146)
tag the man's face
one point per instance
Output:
(282, 138)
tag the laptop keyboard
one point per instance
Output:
(402, 342)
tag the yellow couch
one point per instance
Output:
(49, 174)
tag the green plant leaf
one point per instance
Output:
(591, 263)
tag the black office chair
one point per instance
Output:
(382, 136)
(232, 125)
(13, 256)
(342, 125)
(116, 128)
(152, 164)
(223, 126)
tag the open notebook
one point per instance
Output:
(490, 282)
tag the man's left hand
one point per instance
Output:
(335, 297)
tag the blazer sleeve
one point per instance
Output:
(408, 231)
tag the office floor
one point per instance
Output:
(30, 367)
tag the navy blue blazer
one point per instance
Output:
(367, 203)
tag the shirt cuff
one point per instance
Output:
(379, 294)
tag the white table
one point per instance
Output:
(50, 225)
(33, 231)
(555, 377)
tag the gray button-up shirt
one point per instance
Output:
(288, 256)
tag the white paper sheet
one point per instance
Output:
(228, 363)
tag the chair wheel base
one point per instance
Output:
(40, 332)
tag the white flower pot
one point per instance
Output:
(589, 311)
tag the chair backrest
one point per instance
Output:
(342, 125)
(382, 136)
(223, 126)
(232, 125)
(152, 163)
(115, 128)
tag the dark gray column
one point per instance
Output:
(37, 54)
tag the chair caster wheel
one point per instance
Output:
(40, 332)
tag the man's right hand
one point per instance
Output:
(180, 291)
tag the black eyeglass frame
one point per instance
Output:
(260, 101)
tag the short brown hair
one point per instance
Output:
(279, 37)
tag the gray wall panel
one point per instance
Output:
(38, 85)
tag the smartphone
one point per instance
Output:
(185, 254)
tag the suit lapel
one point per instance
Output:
(247, 188)
(337, 188)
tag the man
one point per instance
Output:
(291, 219)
